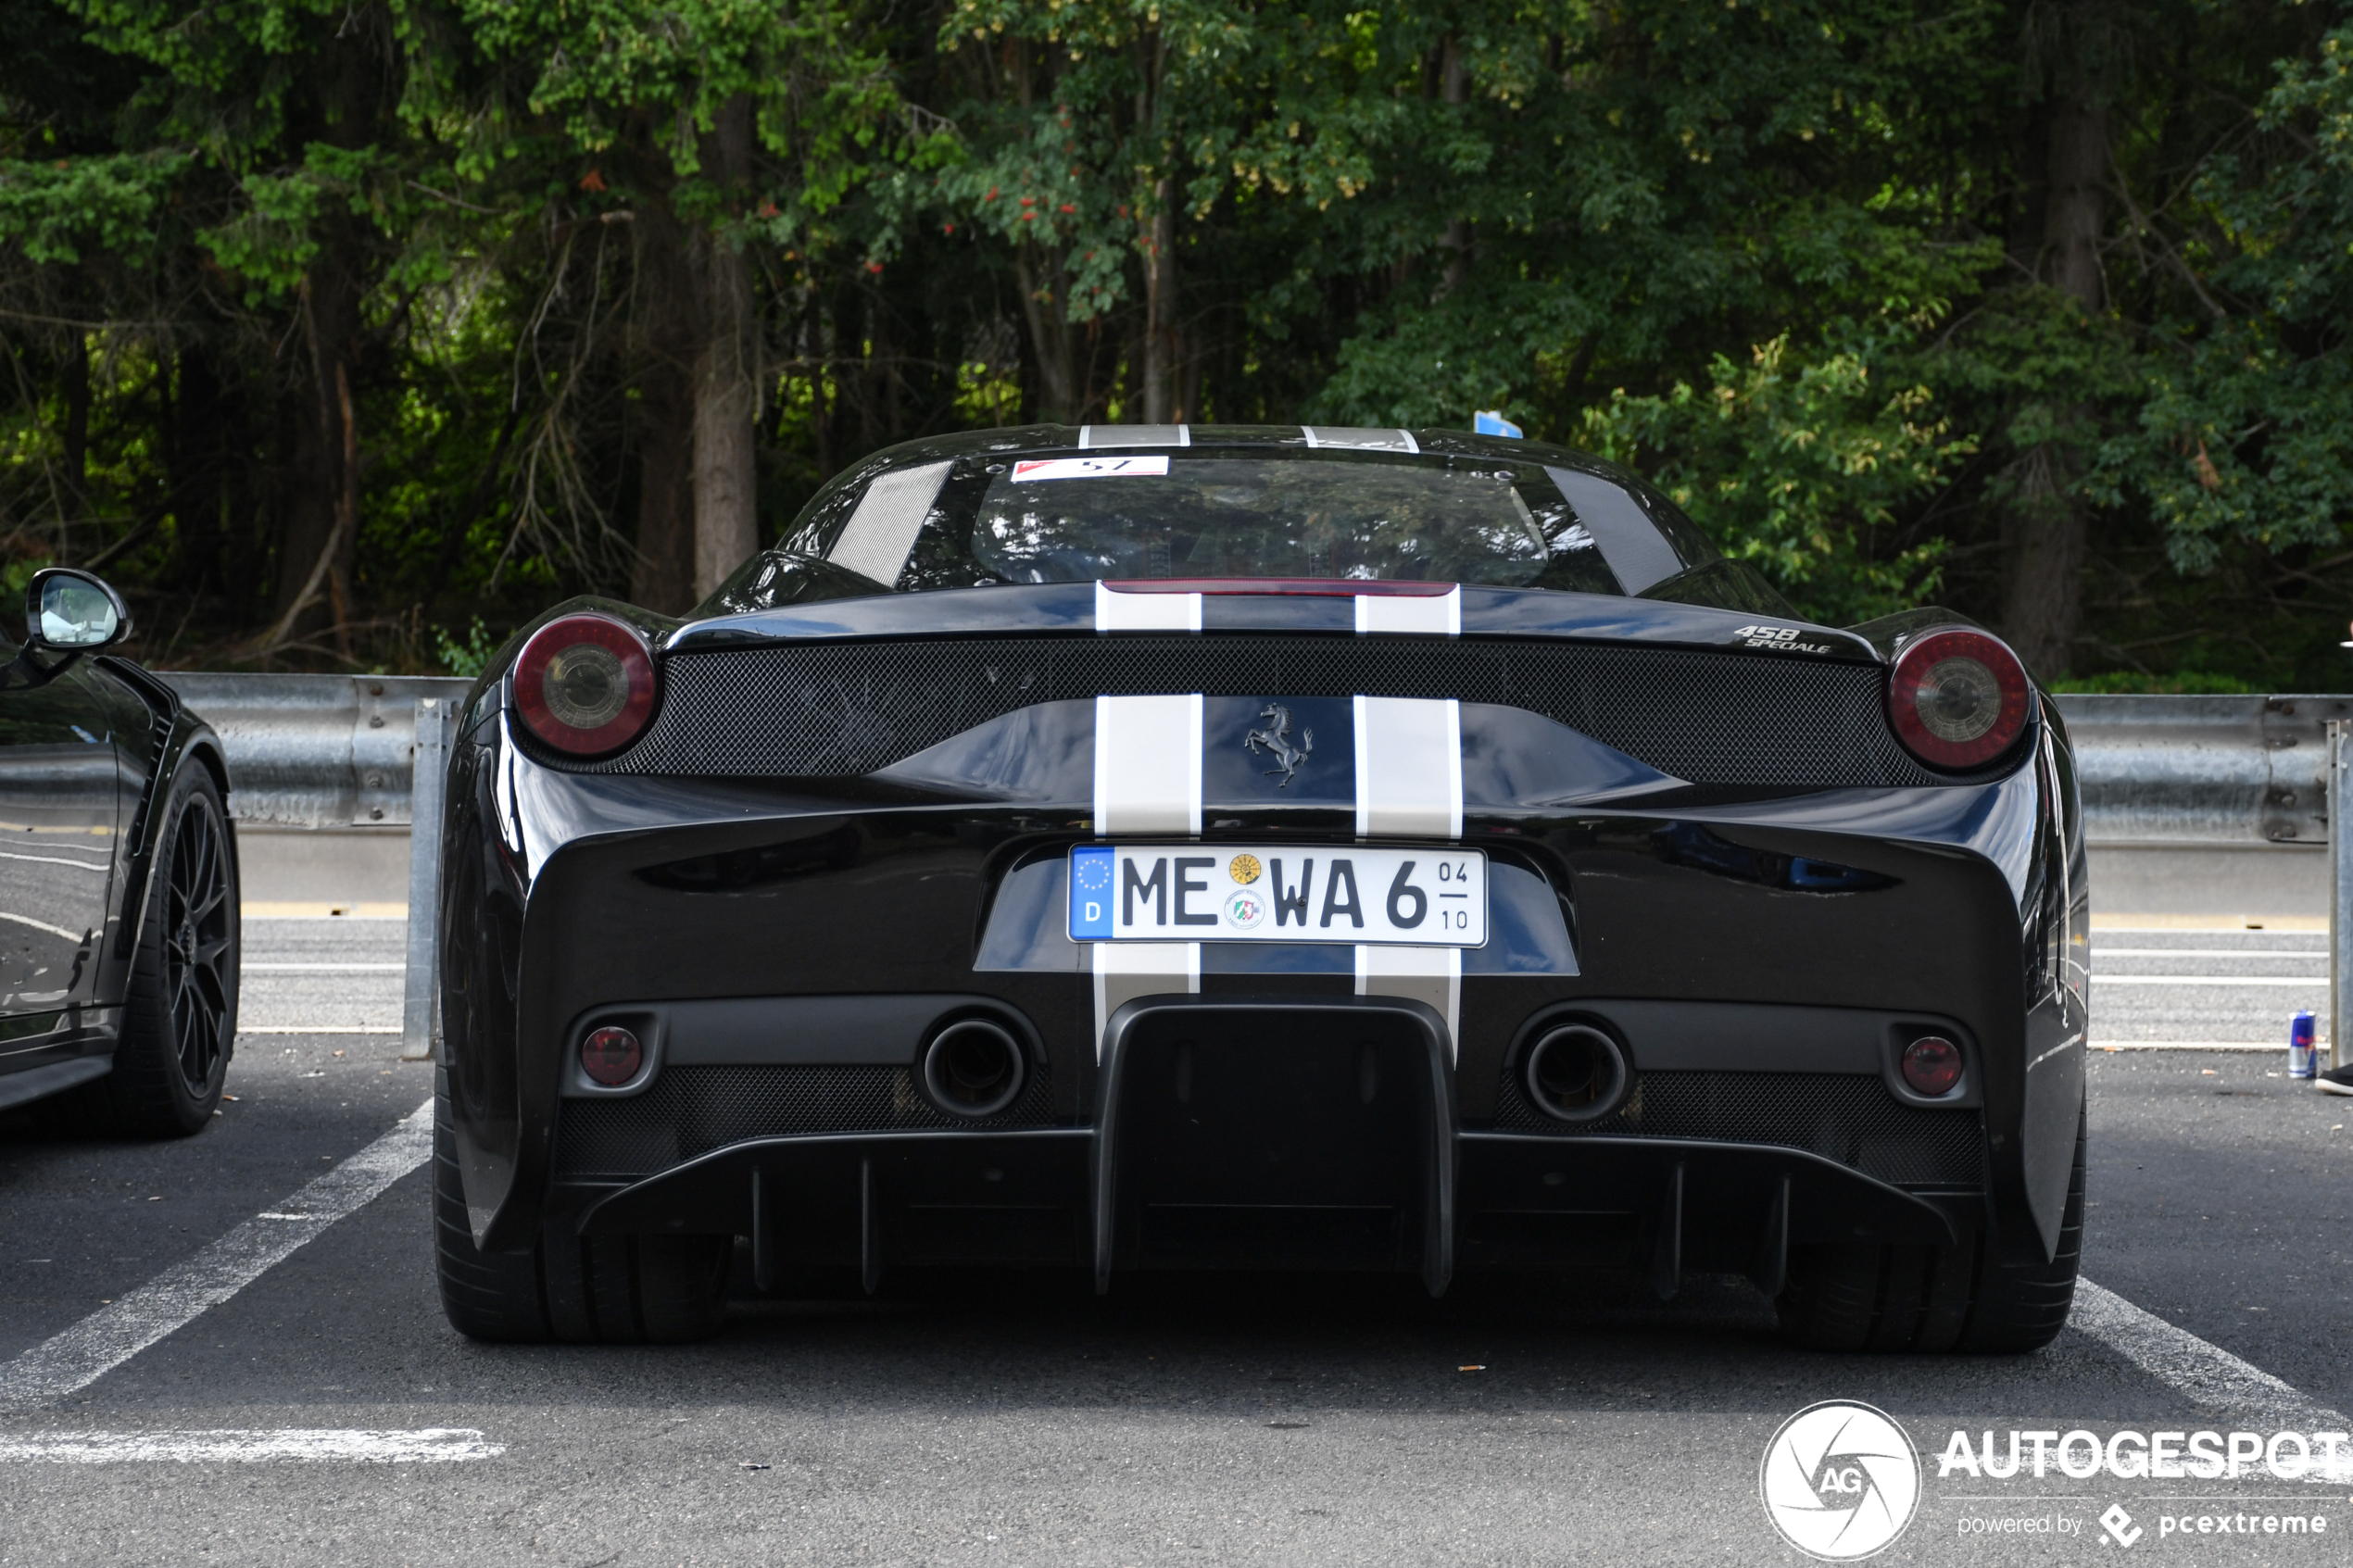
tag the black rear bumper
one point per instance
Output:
(1269, 1133)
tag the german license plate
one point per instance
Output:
(1227, 893)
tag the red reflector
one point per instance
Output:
(1957, 698)
(585, 685)
(1329, 587)
(1932, 1065)
(610, 1056)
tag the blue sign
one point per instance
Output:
(1489, 422)
(1091, 870)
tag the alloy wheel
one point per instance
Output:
(196, 944)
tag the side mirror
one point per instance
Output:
(69, 612)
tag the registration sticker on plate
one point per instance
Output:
(1335, 892)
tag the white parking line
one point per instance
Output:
(2187, 1046)
(103, 1341)
(2208, 1373)
(251, 968)
(430, 1444)
(2306, 981)
(318, 1029)
(2100, 952)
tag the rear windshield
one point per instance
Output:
(1073, 520)
(1194, 513)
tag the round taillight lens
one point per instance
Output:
(610, 1056)
(585, 684)
(1932, 1065)
(1958, 699)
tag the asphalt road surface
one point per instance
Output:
(229, 1351)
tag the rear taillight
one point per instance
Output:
(585, 684)
(1958, 699)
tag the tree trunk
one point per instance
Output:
(1061, 400)
(311, 536)
(2045, 533)
(664, 578)
(72, 502)
(1453, 78)
(1159, 310)
(726, 376)
(321, 525)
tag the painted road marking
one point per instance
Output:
(323, 968)
(2208, 1373)
(103, 1341)
(2098, 951)
(2188, 1045)
(318, 1029)
(301, 1445)
(2305, 980)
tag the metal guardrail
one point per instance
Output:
(342, 751)
(316, 751)
(2225, 772)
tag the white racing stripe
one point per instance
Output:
(1148, 765)
(300, 1445)
(1420, 975)
(2208, 1373)
(103, 1341)
(1124, 971)
(1116, 611)
(1436, 615)
(1409, 767)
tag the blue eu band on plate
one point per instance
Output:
(1426, 897)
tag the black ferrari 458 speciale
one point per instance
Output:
(1143, 848)
(117, 878)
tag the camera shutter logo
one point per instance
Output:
(1839, 1481)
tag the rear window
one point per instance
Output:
(1261, 512)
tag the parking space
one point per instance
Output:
(989, 1420)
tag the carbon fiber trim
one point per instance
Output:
(1844, 1117)
(847, 708)
(691, 1111)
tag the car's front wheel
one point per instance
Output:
(613, 1290)
(1935, 1298)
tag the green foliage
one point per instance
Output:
(1799, 465)
(1786, 260)
(470, 657)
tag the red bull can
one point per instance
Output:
(2301, 1052)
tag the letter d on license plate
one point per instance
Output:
(1229, 893)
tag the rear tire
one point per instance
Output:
(1935, 1298)
(180, 1015)
(586, 1290)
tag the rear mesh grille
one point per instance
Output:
(1843, 1117)
(847, 708)
(691, 1111)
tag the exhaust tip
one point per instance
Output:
(973, 1069)
(1575, 1072)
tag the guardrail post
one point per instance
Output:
(421, 1001)
(2340, 895)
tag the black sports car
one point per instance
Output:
(1195, 847)
(118, 878)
